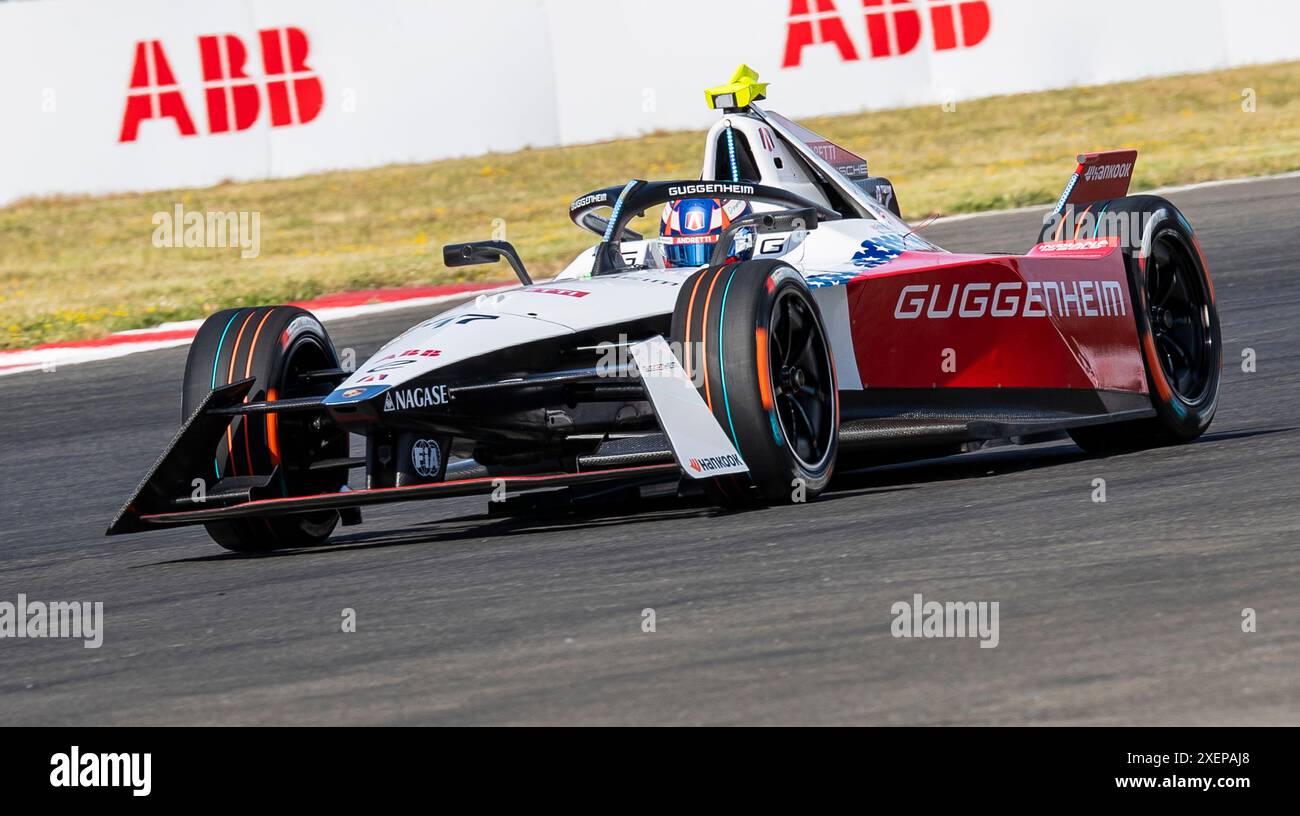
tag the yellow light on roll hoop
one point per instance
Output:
(743, 89)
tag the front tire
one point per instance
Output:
(1177, 324)
(277, 345)
(753, 340)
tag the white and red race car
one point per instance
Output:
(841, 334)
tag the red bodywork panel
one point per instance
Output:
(1059, 317)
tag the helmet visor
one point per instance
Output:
(692, 254)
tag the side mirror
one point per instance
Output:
(764, 223)
(482, 252)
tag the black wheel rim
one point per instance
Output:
(303, 439)
(1179, 313)
(802, 379)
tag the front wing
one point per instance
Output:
(693, 444)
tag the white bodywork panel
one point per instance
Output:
(833, 302)
(767, 151)
(466, 331)
(512, 318)
(701, 447)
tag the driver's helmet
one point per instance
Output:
(692, 226)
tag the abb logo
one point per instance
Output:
(893, 27)
(233, 99)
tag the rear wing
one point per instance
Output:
(1099, 176)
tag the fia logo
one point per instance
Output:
(426, 457)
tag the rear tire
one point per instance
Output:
(1177, 324)
(276, 345)
(754, 342)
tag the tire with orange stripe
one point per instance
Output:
(753, 341)
(276, 346)
(1177, 319)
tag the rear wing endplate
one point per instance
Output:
(1099, 176)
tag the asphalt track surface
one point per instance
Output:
(1124, 612)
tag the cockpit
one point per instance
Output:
(762, 175)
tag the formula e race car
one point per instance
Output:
(812, 326)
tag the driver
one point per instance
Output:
(691, 228)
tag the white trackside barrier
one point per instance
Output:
(114, 96)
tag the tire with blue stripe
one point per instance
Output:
(752, 339)
(1177, 319)
(275, 345)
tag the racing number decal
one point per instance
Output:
(461, 320)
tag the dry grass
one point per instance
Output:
(80, 267)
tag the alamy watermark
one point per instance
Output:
(75, 769)
(53, 619)
(209, 230)
(920, 618)
(616, 360)
(1097, 230)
